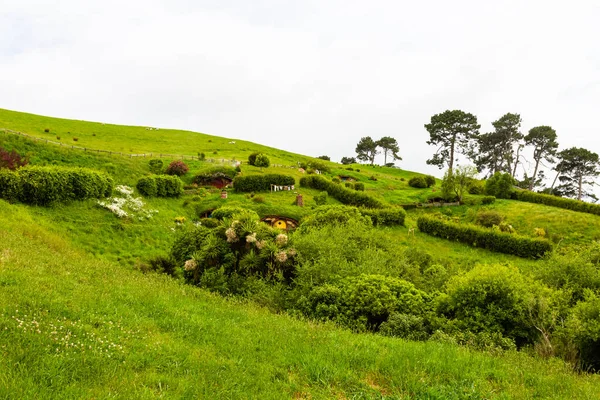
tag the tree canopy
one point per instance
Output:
(366, 149)
(577, 168)
(389, 145)
(453, 132)
(543, 140)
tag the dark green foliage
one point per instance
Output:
(230, 211)
(365, 301)
(164, 265)
(406, 326)
(486, 200)
(496, 150)
(178, 168)
(156, 166)
(348, 160)
(349, 185)
(160, 186)
(321, 198)
(489, 218)
(476, 187)
(187, 241)
(495, 299)
(262, 161)
(315, 165)
(418, 182)
(45, 185)
(336, 180)
(555, 201)
(147, 186)
(582, 329)
(500, 186)
(430, 180)
(543, 140)
(366, 150)
(577, 169)
(386, 216)
(326, 158)
(334, 215)
(452, 132)
(252, 158)
(389, 145)
(207, 176)
(486, 238)
(261, 183)
(359, 186)
(209, 222)
(343, 195)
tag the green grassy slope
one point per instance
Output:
(76, 327)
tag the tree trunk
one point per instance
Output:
(537, 163)
(514, 172)
(451, 161)
(580, 187)
(384, 156)
(554, 182)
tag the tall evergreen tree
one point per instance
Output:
(496, 150)
(366, 150)
(453, 132)
(389, 145)
(545, 146)
(577, 168)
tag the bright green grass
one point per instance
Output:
(75, 327)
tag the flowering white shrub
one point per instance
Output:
(126, 205)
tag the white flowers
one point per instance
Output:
(190, 265)
(281, 239)
(127, 206)
(251, 238)
(231, 235)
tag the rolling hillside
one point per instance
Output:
(79, 318)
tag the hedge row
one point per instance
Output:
(261, 183)
(340, 193)
(45, 185)
(555, 201)
(160, 186)
(385, 216)
(206, 177)
(500, 242)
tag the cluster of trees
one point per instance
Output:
(456, 132)
(367, 149)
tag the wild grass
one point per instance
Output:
(72, 326)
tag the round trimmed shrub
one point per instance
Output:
(178, 168)
(417, 182)
(262, 161)
(147, 186)
(429, 180)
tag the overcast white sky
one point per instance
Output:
(309, 76)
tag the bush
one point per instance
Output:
(315, 165)
(45, 185)
(11, 159)
(178, 168)
(430, 180)
(495, 299)
(417, 182)
(340, 193)
(485, 238)
(229, 211)
(365, 301)
(163, 265)
(10, 185)
(155, 166)
(160, 186)
(321, 198)
(252, 158)
(337, 181)
(500, 185)
(261, 183)
(349, 185)
(262, 161)
(359, 186)
(386, 216)
(335, 215)
(326, 158)
(476, 187)
(555, 201)
(486, 200)
(147, 186)
(489, 218)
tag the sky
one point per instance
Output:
(308, 76)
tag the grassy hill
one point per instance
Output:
(79, 319)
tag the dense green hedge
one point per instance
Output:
(45, 185)
(160, 186)
(486, 238)
(261, 183)
(223, 171)
(385, 216)
(554, 201)
(340, 193)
